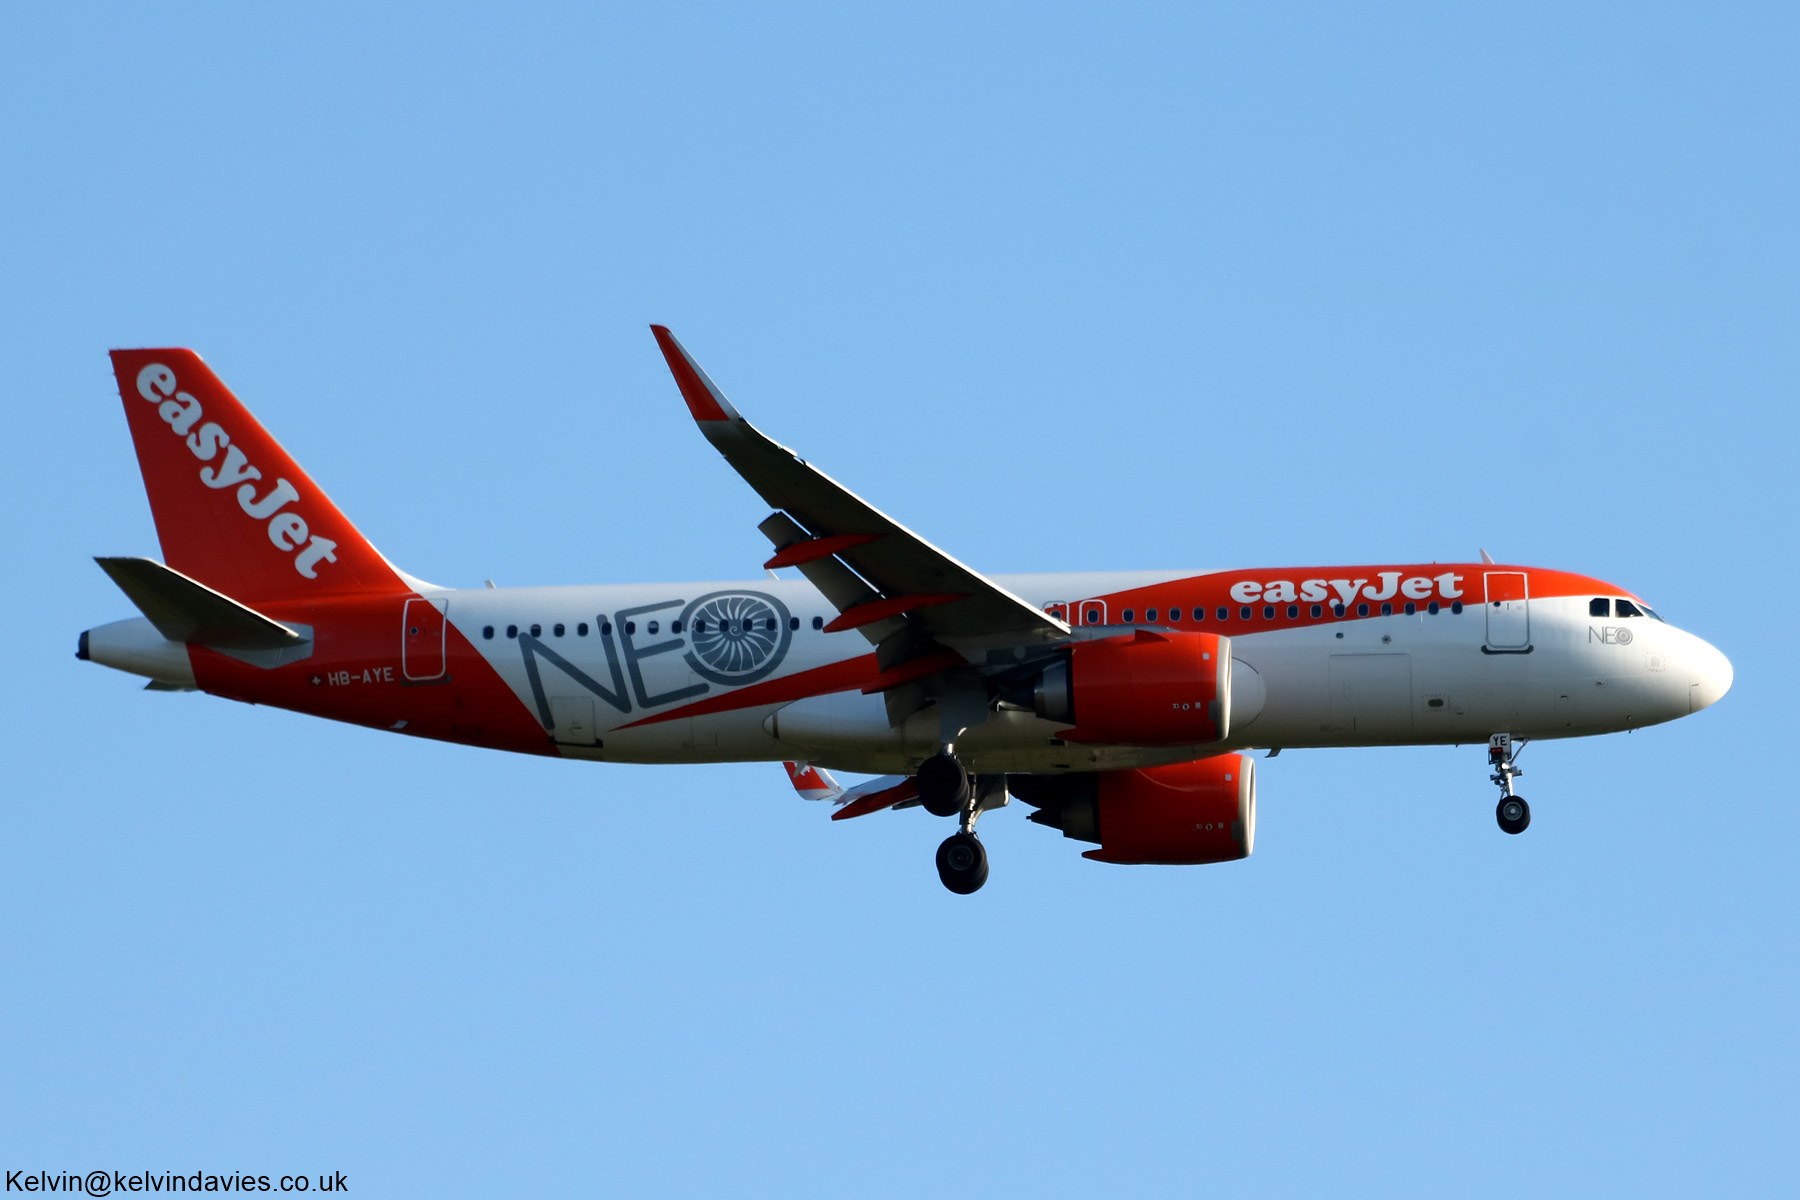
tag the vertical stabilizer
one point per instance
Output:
(232, 510)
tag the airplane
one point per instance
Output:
(1122, 707)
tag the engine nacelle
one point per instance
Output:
(1185, 813)
(1141, 689)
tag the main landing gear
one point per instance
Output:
(962, 862)
(1513, 814)
(947, 789)
(943, 784)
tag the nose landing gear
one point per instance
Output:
(1512, 813)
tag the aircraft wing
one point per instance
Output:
(925, 612)
(889, 791)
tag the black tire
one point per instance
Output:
(962, 863)
(1513, 814)
(943, 785)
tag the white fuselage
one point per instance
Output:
(609, 665)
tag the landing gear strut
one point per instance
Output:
(1513, 814)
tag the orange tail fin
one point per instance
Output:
(232, 509)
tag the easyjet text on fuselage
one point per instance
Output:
(1387, 585)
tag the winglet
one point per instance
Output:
(865, 798)
(812, 783)
(704, 399)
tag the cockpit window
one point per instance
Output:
(1627, 608)
(1653, 614)
(1599, 606)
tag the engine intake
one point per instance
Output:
(1143, 689)
(1185, 813)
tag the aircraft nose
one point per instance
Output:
(1711, 675)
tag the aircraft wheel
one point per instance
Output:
(962, 863)
(1513, 814)
(943, 785)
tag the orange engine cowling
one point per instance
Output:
(1143, 689)
(1185, 813)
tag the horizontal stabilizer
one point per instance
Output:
(189, 612)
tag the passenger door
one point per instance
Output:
(422, 640)
(1508, 612)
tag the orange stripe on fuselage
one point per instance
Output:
(1258, 590)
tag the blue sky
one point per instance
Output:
(1194, 286)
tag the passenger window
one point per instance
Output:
(537, 630)
(1268, 612)
(1599, 606)
(1455, 608)
(1337, 610)
(1362, 610)
(487, 632)
(606, 629)
(1174, 614)
(1387, 609)
(675, 625)
(793, 624)
(512, 631)
(1318, 611)
(557, 629)
(1432, 608)
(581, 629)
(1093, 616)
(631, 627)
(1150, 615)
(1128, 614)
(1224, 613)
(1293, 611)
(1411, 608)
(1627, 608)
(818, 622)
(1244, 613)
